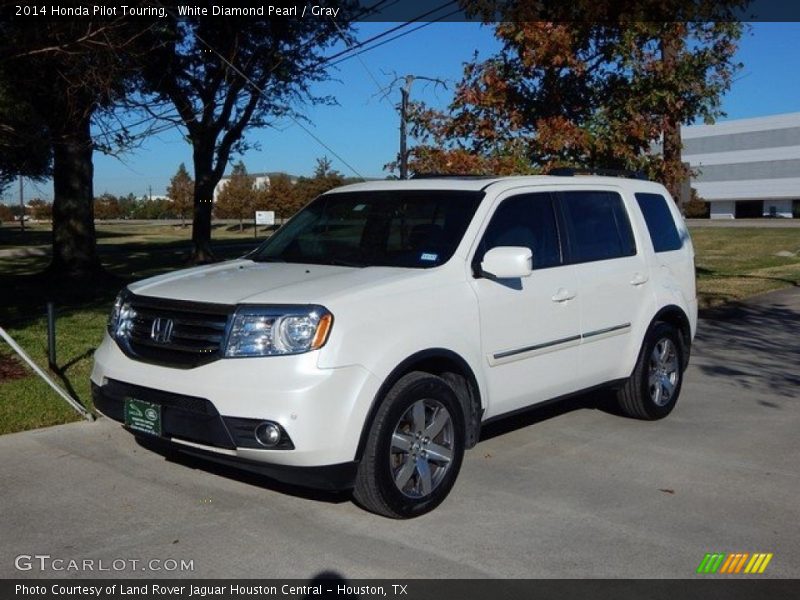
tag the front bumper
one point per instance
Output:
(194, 427)
(206, 409)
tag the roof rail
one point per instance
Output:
(450, 176)
(572, 171)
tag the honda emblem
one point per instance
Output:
(161, 331)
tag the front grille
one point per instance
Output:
(196, 336)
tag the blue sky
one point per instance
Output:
(363, 129)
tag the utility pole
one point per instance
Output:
(405, 91)
(21, 206)
(405, 94)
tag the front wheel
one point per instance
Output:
(414, 450)
(653, 388)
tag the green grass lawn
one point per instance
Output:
(731, 264)
(734, 263)
(124, 233)
(128, 252)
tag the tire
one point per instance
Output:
(652, 390)
(405, 473)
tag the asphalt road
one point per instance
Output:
(567, 492)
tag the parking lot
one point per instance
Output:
(566, 491)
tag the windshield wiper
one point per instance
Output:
(267, 259)
(342, 262)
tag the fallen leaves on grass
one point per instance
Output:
(11, 368)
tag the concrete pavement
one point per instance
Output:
(571, 491)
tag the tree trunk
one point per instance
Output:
(74, 243)
(672, 157)
(205, 181)
(674, 170)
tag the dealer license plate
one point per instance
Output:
(143, 416)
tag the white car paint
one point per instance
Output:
(383, 315)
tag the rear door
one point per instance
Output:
(613, 281)
(530, 327)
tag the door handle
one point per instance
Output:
(562, 295)
(639, 279)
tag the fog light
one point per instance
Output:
(268, 434)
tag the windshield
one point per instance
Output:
(397, 228)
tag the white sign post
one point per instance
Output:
(263, 217)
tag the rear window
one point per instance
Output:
(659, 221)
(598, 224)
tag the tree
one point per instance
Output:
(24, 149)
(595, 86)
(225, 75)
(6, 214)
(157, 208)
(280, 196)
(238, 196)
(69, 71)
(324, 179)
(107, 207)
(127, 205)
(181, 192)
(41, 210)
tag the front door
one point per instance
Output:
(530, 327)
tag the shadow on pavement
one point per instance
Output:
(254, 479)
(756, 346)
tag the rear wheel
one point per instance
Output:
(414, 450)
(653, 388)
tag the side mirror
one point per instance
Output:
(508, 262)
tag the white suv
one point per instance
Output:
(365, 343)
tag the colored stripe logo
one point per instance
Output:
(734, 563)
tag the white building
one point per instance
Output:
(261, 183)
(747, 167)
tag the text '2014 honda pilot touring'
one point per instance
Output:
(365, 343)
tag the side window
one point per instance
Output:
(528, 220)
(599, 225)
(659, 221)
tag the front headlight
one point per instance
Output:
(121, 319)
(276, 330)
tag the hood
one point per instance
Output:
(245, 281)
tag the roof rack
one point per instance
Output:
(572, 171)
(450, 176)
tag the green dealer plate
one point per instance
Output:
(143, 416)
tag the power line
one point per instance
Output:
(405, 33)
(264, 95)
(328, 59)
(363, 64)
(362, 43)
(367, 11)
(292, 117)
